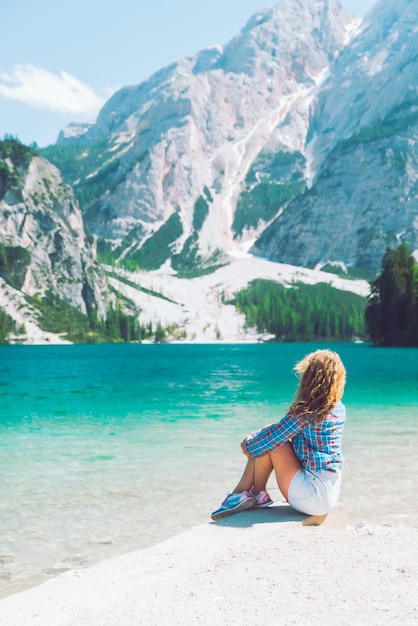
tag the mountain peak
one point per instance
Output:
(215, 149)
(287, 30)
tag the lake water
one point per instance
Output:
(106, 449)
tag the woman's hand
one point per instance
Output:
(244, 449)
(249, 436)
(243, 446)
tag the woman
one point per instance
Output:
(303, 449)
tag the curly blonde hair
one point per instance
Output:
(321, 385)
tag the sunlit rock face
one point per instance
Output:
(42, 235)
(205, 130)
(296, 141)
(362, 139)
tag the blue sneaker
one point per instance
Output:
(234, 503)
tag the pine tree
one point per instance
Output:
(392, 309)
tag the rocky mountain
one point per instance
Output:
(43, 246)
(363, 166)
(296, 142)
(296, 137)
(196, 161)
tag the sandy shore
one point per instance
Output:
(256, 568)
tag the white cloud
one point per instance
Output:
(40, 88)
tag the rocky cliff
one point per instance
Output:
(298, 135)
(203, 155)
(363, 165)
(43, 245)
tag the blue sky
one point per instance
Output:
(59, 62)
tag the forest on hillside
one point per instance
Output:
(303, 312)
(392, 309)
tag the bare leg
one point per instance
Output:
(256, 474)
(257, 471)
(286, 464)
(246, 481)
(262, 472)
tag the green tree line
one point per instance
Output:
(303, 312)
(392, 308)
(57, 316)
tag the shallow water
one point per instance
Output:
(106, 449)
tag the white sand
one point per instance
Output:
(256, 568)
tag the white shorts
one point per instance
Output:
(314, 493)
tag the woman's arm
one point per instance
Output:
(249, 436)
(271, 437)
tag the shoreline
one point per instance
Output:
(255, 567)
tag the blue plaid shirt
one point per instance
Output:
(317, 445)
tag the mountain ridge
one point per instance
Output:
(200, 124)
(362, 198)
(284, 143)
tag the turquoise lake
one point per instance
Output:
(110, 448)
